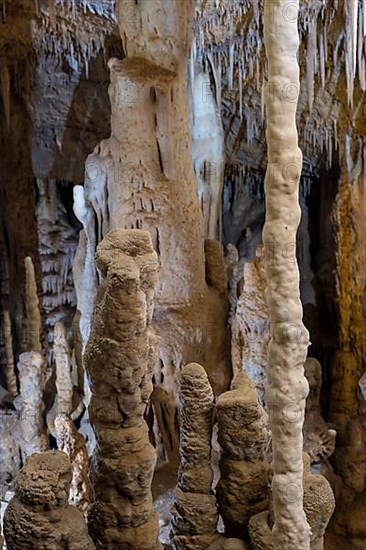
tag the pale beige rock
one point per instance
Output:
(288, 337)
(34, 321)
(318, 501)
(31, 377)
(319, 440)
(120, 340)
(73, 444)
(11, 380)
(39, 517)
(64, 383)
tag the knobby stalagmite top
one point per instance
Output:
(39, 516)
(119, 357)
(194, 514)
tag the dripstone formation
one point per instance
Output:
(243, 435)
(119, 358)
(39, 517)
(194, 514)
(318, 502)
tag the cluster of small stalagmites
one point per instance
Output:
(119, 359)
(194, 514)
(244, 438)
(39, 517)
(318, 502)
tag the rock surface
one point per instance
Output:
(242, 490)
(120, 358)
(39, 517)
(194, 513)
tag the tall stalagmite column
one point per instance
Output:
(287, 385)
(119, 357)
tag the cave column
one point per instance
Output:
(287, 385)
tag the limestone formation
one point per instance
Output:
(289, 338)
(9, 449)
(242, 490)
(31, 376)
(11, 380)
(319, 440)
(34, 322)
(73, 444)
(194, 515)
(119, 360)
(39, 517)
(64, 383)
(319, 504)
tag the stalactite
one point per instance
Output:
(34, 321)
(11, 380)
(288, 337)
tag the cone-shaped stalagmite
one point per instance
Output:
(119, 357)
(287, 385)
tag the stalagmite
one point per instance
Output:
(63, 370)
(11, 380)
(244, 438)
(68, 439)
(319, 440)
(73, 444)
(287, 385)
(31, 378)
(34, 322)
(194, 515)
(119, 360)
(318, 506)
(39, 517)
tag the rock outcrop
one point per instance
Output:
(242, 490)
(39, 517)
(119, 358)
(194, 514)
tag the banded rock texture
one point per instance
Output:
(119, 358)
(39, 517)
(194, 514)
(242, 490)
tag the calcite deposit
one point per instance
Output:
(289, 339)
(33, 431)
(195, 515)
(319, 439)
(39, 517)
(318, 501)
(242, 490)
(120, 362)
